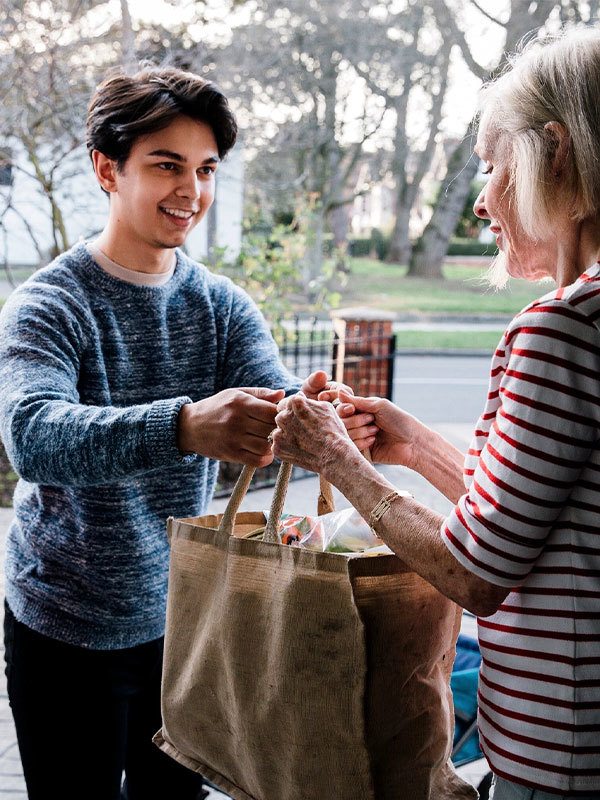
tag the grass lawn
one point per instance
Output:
(448, 340)
(463, 290)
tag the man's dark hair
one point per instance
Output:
(125, 107)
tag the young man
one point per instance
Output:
(122, 366)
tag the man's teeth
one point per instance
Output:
(177, 212)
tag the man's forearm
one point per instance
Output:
(60, 443)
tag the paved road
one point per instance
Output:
(440, 388)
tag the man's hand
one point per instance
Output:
(318, 387)
(232, 425)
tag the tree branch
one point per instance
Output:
(486, 14)
(344, 201)
(446, 22)
(27, 226)
(435, 119)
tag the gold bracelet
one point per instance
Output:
(384, 505)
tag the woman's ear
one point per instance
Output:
(106, 171)
(561, 140)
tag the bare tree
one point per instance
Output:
(292, 70)
(48, 65)
(412, 62)
(524, 19)
(51, 57)
(128, 55)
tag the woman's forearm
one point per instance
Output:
(412, 531)
(310, 434)
(440, 463)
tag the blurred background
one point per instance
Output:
(356, 143)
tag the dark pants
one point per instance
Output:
(83, 717)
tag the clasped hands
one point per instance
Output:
(311, 431)
(252, 425)
(313, 434)
(235, 424)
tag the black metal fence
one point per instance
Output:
(366, 349)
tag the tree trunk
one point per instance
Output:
(128, 59)
(407, 190)
(429, 252)
(339, 221)
(313, 265)
(400, 246)
(59, 230)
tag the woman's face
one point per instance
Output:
(522, 256)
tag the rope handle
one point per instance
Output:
(325, 504)
(239, 492)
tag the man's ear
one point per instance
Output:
(561, 140)
(106, 171)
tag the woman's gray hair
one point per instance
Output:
(555, 79)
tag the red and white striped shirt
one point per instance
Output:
(531, 522)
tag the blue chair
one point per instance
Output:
(463, 682)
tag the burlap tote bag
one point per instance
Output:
(298, 675)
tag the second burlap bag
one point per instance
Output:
(298, 675)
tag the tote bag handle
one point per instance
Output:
(325, 504)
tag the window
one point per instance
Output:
(6, 169)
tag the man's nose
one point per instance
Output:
(189, 185)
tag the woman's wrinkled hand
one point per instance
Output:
(310, 434)
(391, 434)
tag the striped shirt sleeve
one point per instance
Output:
(542, 419)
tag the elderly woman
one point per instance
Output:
(521, 548)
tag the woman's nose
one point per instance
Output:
(479, 206)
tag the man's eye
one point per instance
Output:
(208, 170)
(168, 166)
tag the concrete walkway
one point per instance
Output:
(301, 497)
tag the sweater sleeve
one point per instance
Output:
(543, 432)
(49, 435)
(251, 355)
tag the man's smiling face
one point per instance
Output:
(166, 185)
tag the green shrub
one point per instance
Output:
(360, 247)
(380, 244)
(469, 225)
(376, 245)
(470, 247)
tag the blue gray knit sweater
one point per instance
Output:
(93, 372)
